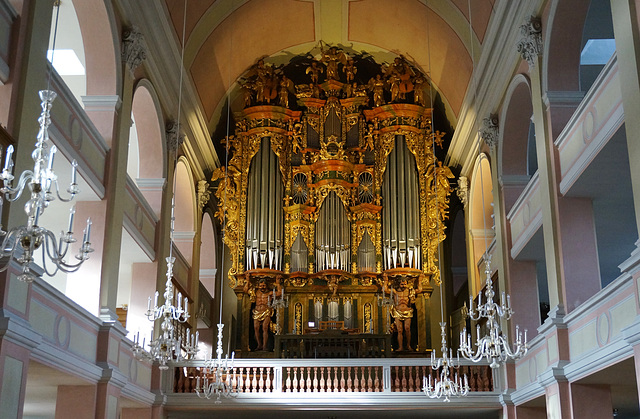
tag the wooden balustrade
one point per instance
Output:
(332, 378)
(245, 379)
(332, 344)
(343, 379)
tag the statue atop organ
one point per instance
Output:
(333, 194)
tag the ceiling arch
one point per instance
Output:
(225, 37)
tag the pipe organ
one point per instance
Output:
(333, 188)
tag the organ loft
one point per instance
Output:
(333, 204)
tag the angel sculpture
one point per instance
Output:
(331, 58)
(376, 86)
(315, 70)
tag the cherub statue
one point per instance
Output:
(314, 70)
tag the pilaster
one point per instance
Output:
(627, 34)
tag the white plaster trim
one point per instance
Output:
(208, 272)
(589, 153)
(105, 103)
(183, 235)
(526, 235)
(589, 97)
(524, 196)
(564, 99)
(150, 184)
(514, 180)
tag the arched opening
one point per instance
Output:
(185, 211)
(517, 151)
(481, 218)
(146, 152)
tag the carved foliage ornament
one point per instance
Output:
(463, 190)
(490, 131)
(530, 44)
(203, 193)
(174, 140)
(134, 49)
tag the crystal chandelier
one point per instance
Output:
(166, 346)
(219, 375)
(494, 346)
(444, 385)
(21, 243)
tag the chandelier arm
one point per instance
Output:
(13, 194)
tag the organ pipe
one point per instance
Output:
(264, 211)
(401, 228)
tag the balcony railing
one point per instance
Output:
(330, 376)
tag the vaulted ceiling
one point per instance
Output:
(223, 38)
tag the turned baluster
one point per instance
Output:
(376, 383)
(349, 382)
(287, 382)
(404, 379)
(410, 381)
(294, 383)
(356, 380)
(315, 379)
(418, 379)
(247, 382)
(302, 381)
(396, 382)
(473, 381)
(267, 383)
(180, 384)
(254, 381)
(240, 379)
(342, 383)
(261, 382)
(369, 380)
(322, 379)
(234, 379)
(309, 379)
(335, 379)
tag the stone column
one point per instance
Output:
(133, 52)
(625, 25)
(530, 46)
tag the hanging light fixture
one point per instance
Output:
(494, 347)
(444, 386)
(22, 242)
(219, 374)
(166, 346)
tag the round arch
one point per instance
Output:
(147, 151)
(102, 53)
(185, 209)
(480, 216)
(208, 253)
(513, 152)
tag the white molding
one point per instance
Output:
(524, 196)
(102, 103)
(150, 184)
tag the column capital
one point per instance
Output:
(134, 48)
(204, 193)
(490, 131)
(463, 190)
(174, 138)
(530, 43)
